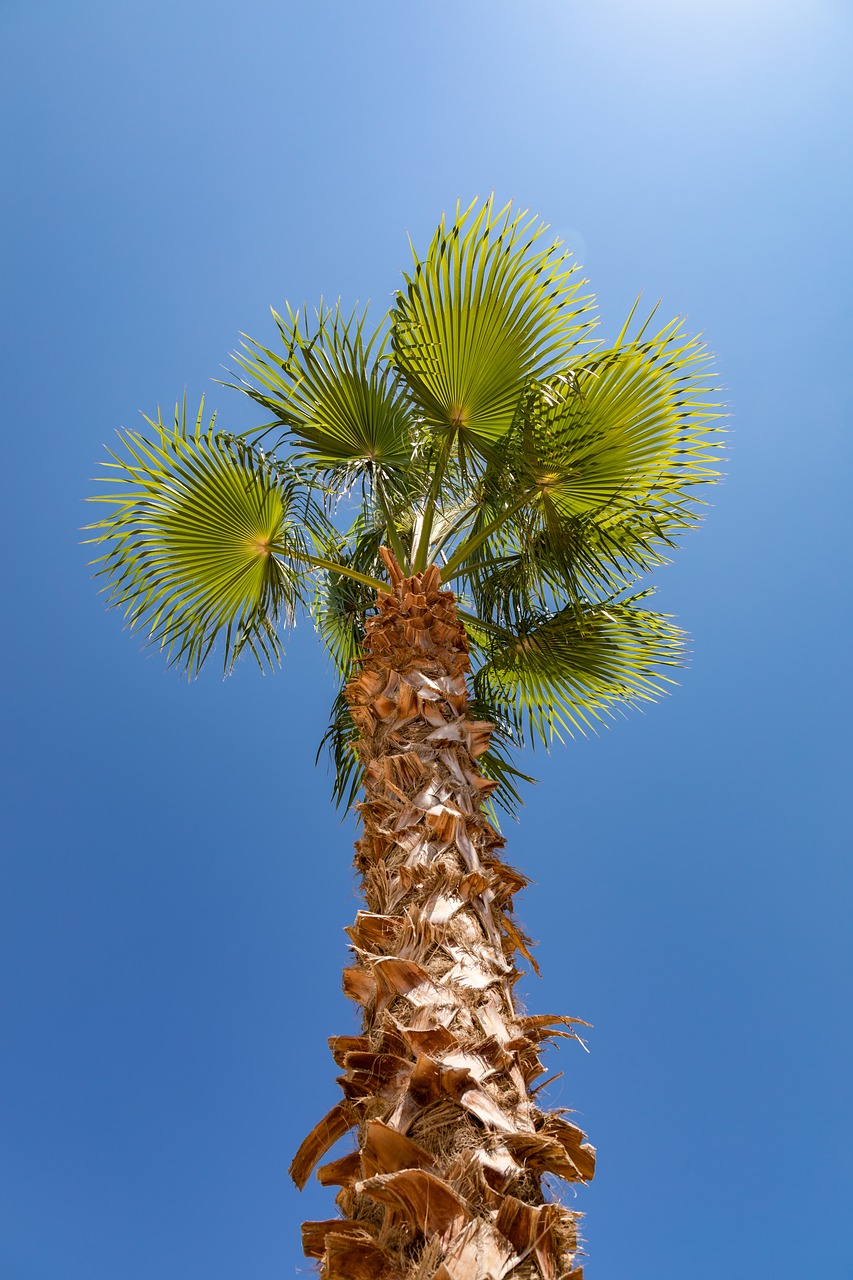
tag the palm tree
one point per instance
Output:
(464, 499)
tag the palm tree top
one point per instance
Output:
(480, 427)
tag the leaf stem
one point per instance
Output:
(493, 627)
(393, 533)
(476, 540)
(420, 559)
(317, 562)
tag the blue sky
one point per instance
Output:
(174, 880)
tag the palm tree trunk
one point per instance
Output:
(446, 1183)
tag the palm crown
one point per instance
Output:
(479, 427)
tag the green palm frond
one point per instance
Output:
(523, 577)
(562, 674)
(483, 312)
(341, 603)
(341, 742)
(530, 566)
(334, 393)
(595, 480)
(204, 541)
(622, 428)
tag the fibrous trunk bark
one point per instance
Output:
(446, 1181)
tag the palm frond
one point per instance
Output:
(341, 742)
(625, 433)
(342, 604)
(596, 479)
(530, 566)
(334, 393)
(204, 541)
(483, 312)
(562, 674)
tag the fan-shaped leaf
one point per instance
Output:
(594, 481)
(485, 311)
(333, 392)
(204, 540)
(621, 428)
(562, 673)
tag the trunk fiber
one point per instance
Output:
(446, 1183)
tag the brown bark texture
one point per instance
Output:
(446, 1181)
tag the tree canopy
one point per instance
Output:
(481, 426)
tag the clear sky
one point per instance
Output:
(174, 880)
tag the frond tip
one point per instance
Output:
(201, 542)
